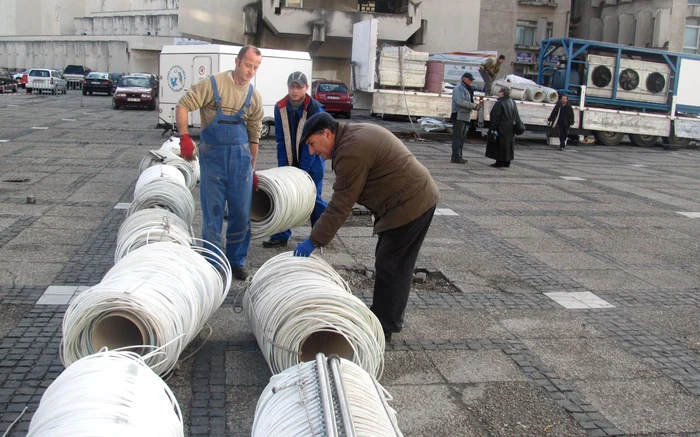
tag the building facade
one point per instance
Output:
(663, 24)
(127, 35)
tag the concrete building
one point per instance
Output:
(104, 35)
(127, 35)
(665, 24)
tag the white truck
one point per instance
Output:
(616, 90)
(181, 66)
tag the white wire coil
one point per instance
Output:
(285, 199)
(108, 394)
(151, 225)
(155, 173)
(291, 404)
(158, 296)
(165, 194)
(169, 154)
(297, 307)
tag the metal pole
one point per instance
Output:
(326, 396)
(346, 414)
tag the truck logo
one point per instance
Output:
(176, 78)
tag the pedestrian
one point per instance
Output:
(488, 71)
(375, 169)
(504, 116)
(462, 107)
(231, 110)
(291, 114)
(562, 117)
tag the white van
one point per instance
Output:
(184, 65)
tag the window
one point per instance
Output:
(295, 3)
(526, 33)
(694, 2)
(690, 36)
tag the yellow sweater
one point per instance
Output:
(201, 96)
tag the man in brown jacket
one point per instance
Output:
(376, 170)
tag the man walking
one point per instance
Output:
(291, 114)
(376, 170)
(232, 112)
(562, 117)
(462, 107)
(488, 71)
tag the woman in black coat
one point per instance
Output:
(561, 118)
(504, 114)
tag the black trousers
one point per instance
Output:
(563, 131)
(396, 254)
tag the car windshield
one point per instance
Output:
(117, 76)
(74, 69)
(4, 74)
(141, 82)
(97, 76)
(39, 73)
(332, 88)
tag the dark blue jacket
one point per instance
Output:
(312, 164)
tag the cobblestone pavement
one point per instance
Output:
(561, 298)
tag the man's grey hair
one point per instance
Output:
(506, 91)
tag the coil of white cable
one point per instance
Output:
(111, 394)
(285, 198)
(297, 307)
(325, 397)
(164, 193)
(151, 225)
(189, 169)
(157, 296)
(156, 173)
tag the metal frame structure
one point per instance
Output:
(574, 48)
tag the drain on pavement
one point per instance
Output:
(17, 179)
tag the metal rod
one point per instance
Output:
(326, 396)
(345, 412)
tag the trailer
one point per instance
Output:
(181, 66)
(618, 90)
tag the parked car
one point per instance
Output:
(333, 95)
(24, 80)
(18, 77)
(115, 79)
(44, 79)
(7, 83)
(96, 82)
(152, 77)
(75, 74)
(135, 91)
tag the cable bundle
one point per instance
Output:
(156, 173)
(285, 198)
(157, 296)
(165, 193)
(324, 398)
(109, 394)
(297, 307)
(169, 154)
(151, 225)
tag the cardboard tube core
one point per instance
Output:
(118, 330)
(326, 342)
(261, 207)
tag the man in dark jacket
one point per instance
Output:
(291, 114)
(562, 117)
(376, 170)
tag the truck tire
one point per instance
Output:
(265, 132)
(677, 141)
(643, 140)
(608, 138)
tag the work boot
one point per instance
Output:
(387, 337)
(239, 272)
(274, 243)
(458, 161)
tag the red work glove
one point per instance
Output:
(186, 147)
(255, 181)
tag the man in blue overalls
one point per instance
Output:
(232, 112)
(290, 116)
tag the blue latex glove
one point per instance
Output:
(305, 248)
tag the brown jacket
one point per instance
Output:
(375, 169)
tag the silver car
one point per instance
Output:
(44, 79)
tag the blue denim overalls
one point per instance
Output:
(226, 177)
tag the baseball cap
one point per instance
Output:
(297, 77)
(468, 76)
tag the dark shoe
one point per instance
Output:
(497, 164)
(239, 272)
(387, 337)
(274, 243)
(506, 164)
(562, 148)
(458, 161)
